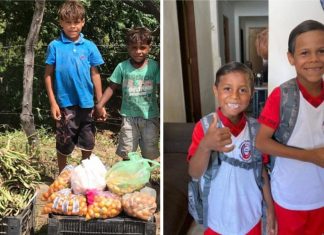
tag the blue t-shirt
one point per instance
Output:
(72, 61)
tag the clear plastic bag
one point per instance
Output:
(102, 204)
(61, 182)
(140, 204)
(65, 203)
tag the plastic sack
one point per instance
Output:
(129, 176)
(141, 204)
(102, 204)
(90, 174)
(61, 182)
(65, 203)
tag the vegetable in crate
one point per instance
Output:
(141, 204)
(129, 176)
(102, 204)
(64, 202)
(18, 180)
(90, 174)
(61, 182)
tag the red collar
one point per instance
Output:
(315, 101)
(235, 129)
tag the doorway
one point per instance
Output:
(189, 59)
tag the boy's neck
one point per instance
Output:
(313, 89)
(138, 64)
(72, 40)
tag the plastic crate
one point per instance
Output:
(74, 225)
(22, 224)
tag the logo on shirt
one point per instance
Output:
(245, 150)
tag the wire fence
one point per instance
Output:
(10, 114)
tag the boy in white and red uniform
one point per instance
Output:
(297, 178)
(234, 199)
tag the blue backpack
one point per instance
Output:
(198, 189)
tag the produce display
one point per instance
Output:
(88, 197)
(103, 204)
(139, 205)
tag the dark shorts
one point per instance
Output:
(76, 128)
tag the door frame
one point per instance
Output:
(189, 59)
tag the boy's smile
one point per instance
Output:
(234, 94)
(138, 53)
(308, 57)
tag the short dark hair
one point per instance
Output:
(71, 10)
(139, 35)
(303, 27)
(235, 67)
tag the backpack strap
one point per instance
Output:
(253, 129)
(212, 168)
(289, 108)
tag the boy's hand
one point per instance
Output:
(217, 139)
(100, 114)
(272, 226)
(56, 112)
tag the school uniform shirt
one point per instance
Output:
(139, 88)
(72, 61)
(298, 185)
(234, 201)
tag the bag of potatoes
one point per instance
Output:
(129, 176)
(61, 182)
(140, 204)
(102, 204)
(64, 202)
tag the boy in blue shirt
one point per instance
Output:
(139, 78)
(71, 79)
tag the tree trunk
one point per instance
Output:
(26, 116)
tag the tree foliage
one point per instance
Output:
(106, 24)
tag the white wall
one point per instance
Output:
(208, 51)
(173, 96)
(284, 15)
(226, 8)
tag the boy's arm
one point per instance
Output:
(107, 95)
(100, 114)
(48, 78)
(266, 144)
(96, 79)
(216, 139)
(272, 227)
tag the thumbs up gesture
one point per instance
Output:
(217, 139)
